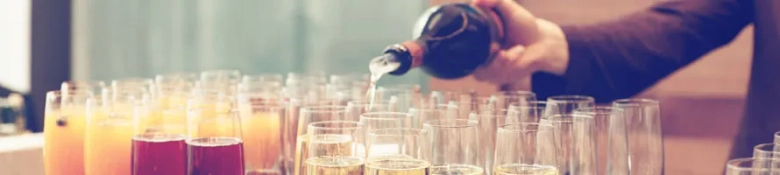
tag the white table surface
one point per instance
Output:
(21, 155)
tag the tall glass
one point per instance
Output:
(454, 147)
(566, 104)
(333, 148)
(574, 136)
(645, 140)
(158, 143)
(262, 136)
(397, 151)
(307, 116)
(64, 125)
(214, 141)
(749, 166)
(611, 139)
(489, 122)
(109, 131)
(525, 149)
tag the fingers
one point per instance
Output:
(515, 18)
(506, 67)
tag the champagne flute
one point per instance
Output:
(65, 123)
(397, 151)
(308, 115)
(525, 149)
(333, 148)
(158, 142)
(489, 122)
(645, 139)
(611, 139)
(214, 141)
(109, 131)
(573, 135)
(262, 135)
(454, 147)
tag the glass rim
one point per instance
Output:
(323, 108)
(384, 115)
(518, 92)
(318, 125)
(736, 164)
(561, 117)
(593, 110)
(456, 123)
(571, 98)
(362, 103)
(77, 83)
(510, 127)
(635, 102)
(447, 106)
(396, 132)
(762, 147)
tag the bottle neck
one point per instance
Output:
(409, 54)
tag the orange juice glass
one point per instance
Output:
(64, 133)
(262, 135)
(109, 134)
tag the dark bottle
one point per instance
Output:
(451, 41)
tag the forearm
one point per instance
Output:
(621, 58)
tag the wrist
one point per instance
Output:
(554, 40)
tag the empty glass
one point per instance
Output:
(531, 112)
(454, 147)
(574, 135)
(611, 139)
(489, 122)
(525, 149)
(645, 140)
(503, 99)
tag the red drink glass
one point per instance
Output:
(159, 154)
(216, 155)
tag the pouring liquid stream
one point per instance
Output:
(378, 66)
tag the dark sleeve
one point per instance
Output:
(620, 58)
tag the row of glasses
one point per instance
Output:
(765, 160)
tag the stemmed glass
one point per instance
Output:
(333, 148)
(454, 147)
(525, 149)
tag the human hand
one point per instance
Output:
(531, 45)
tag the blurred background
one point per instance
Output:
(45, 42)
